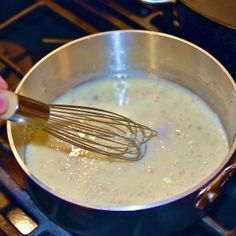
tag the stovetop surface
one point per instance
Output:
(31, 29)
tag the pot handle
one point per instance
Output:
(211, 192)
(157, 1)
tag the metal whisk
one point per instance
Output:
(92, 129)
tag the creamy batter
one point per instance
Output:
(191, 143)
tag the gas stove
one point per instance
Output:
(30, 29)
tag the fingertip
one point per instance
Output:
(3, 83)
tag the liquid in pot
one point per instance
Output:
(190, 145)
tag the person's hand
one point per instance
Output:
(3, 98)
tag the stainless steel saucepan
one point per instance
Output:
(122, 53)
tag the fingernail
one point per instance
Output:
(3, 103)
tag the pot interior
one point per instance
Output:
(125, 53)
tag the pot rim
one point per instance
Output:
(123, 207)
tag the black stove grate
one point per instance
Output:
(31, 29)
(19, 215)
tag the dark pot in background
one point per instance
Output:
(210, 24)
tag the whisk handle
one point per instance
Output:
(25, 110)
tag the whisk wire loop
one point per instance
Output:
(98, 131)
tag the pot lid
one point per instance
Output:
(221, 11)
